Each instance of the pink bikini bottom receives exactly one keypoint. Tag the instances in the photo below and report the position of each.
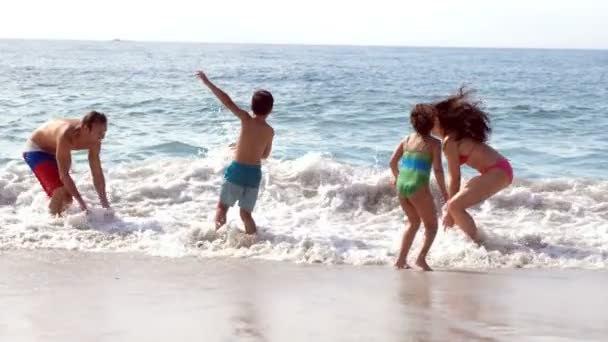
(504, 165)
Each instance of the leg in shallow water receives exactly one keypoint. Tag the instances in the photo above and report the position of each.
(425, 206)
(410, 233)
(248, 221)
(220, 215)
(60, 201)
(477, 190)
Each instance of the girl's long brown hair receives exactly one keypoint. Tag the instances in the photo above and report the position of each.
(463, 117)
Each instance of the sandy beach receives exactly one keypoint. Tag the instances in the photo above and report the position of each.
(74, 296)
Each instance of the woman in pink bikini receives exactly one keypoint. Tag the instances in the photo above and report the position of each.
(464, 128)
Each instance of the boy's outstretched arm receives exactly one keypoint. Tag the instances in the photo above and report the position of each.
(223, 97)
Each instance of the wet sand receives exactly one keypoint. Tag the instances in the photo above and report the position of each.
(74, 296)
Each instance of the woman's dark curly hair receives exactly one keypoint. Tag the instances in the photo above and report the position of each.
(422, 118)
(462, 117)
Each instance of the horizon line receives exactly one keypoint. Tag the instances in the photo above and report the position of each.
(119, 40)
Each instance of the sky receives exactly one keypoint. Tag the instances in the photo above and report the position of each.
(463, 23)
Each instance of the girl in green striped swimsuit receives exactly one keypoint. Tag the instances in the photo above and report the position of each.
(419, 153)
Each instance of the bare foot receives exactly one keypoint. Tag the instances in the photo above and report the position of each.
(247, 240)
(220, 216)
(423, 265)
(481, 238)
(401, 264)
(220, 220)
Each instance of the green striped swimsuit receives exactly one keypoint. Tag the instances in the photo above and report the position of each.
(414, 173)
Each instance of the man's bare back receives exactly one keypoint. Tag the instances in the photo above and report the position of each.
(48, 135)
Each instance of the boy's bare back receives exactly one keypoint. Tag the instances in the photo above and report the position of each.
(255, 141)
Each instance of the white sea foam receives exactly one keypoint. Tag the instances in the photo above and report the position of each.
(312, 210)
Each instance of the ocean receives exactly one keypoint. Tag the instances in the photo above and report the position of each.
(326, 194)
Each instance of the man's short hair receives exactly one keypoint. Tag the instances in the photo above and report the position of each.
(94, 117)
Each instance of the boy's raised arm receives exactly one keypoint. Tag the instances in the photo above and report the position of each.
(223, 97)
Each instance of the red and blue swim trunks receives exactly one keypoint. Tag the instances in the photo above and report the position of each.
(44, 166)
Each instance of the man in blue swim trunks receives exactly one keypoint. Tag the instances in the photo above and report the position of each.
(242, 178)
(48, 152)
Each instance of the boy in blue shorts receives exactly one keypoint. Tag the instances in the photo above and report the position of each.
(242, 178)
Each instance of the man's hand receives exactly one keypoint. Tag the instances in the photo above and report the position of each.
(98, 178)
(200, 74)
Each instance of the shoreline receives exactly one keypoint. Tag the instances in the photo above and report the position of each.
(55, 295)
